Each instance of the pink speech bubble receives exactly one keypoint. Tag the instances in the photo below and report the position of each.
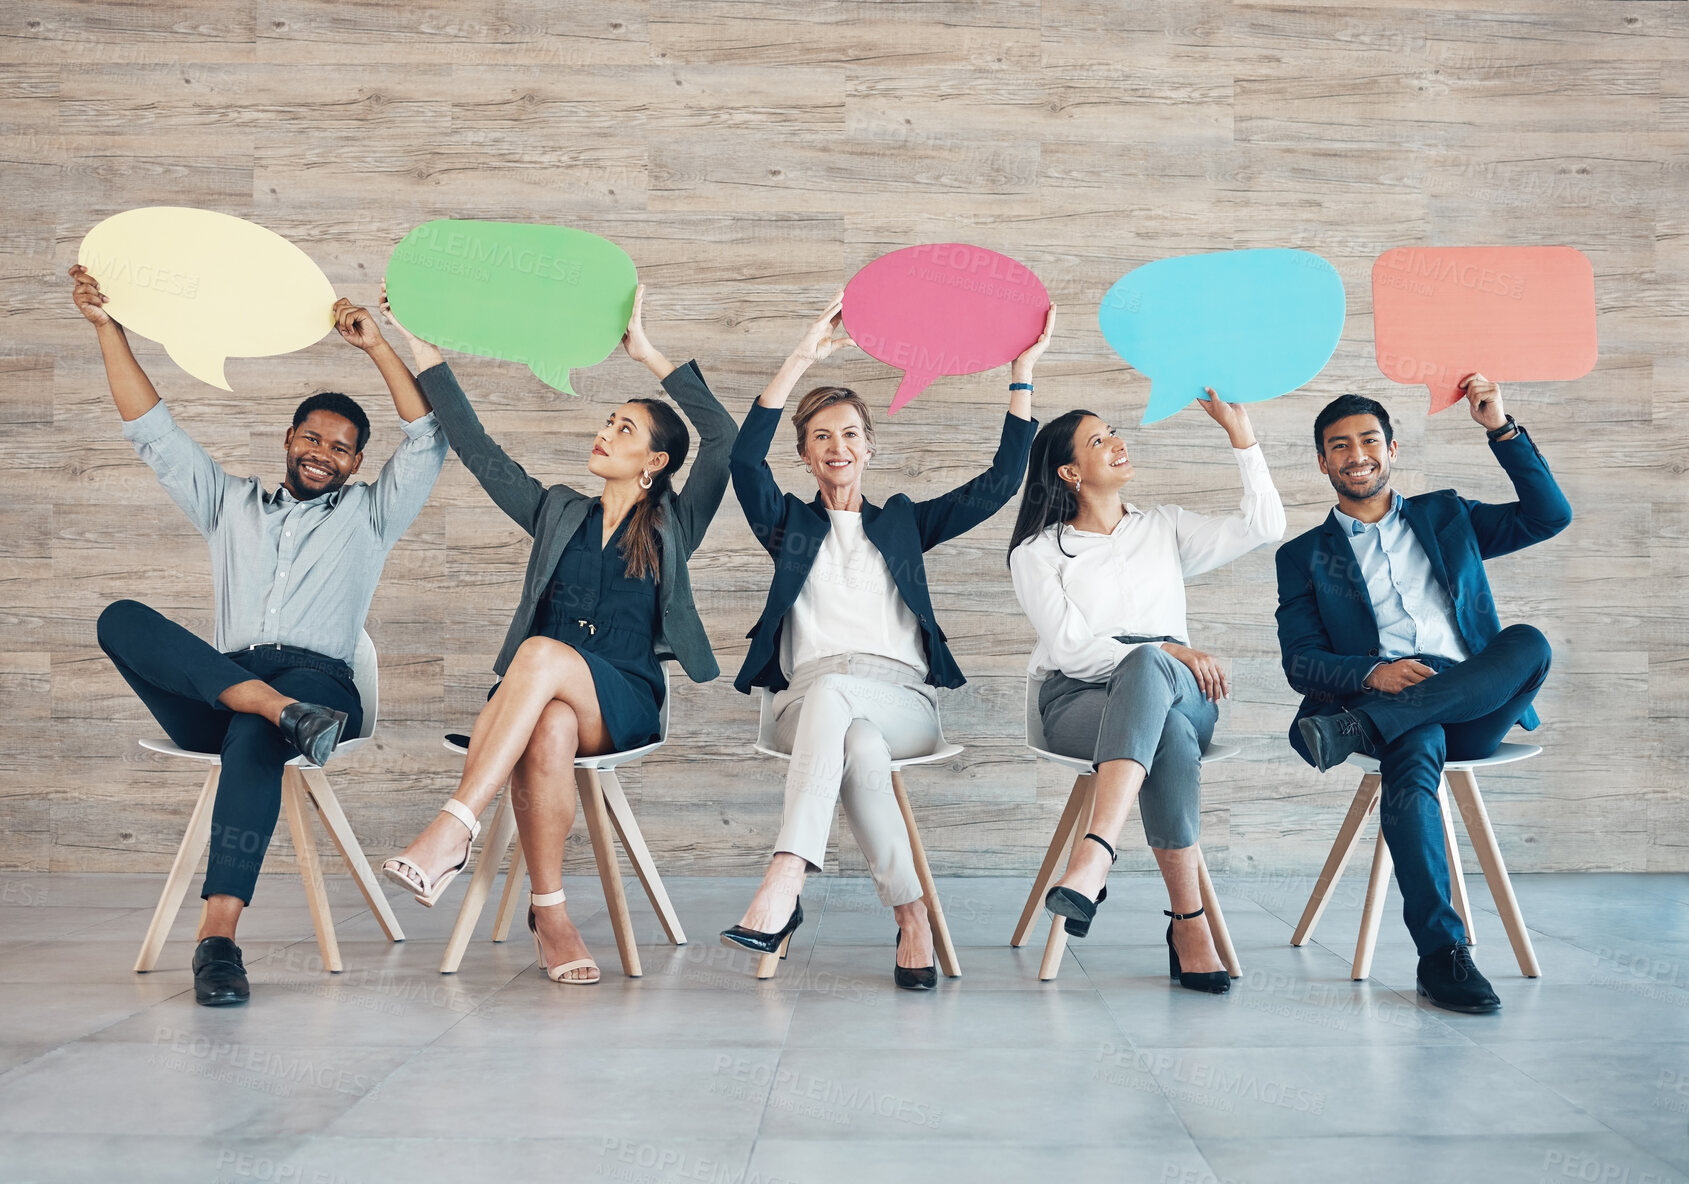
(943, 308)
(1517, 314)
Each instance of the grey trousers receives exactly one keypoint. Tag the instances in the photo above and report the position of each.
(844, 719)
(1151, 711)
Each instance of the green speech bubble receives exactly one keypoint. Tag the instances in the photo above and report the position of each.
(552, 297)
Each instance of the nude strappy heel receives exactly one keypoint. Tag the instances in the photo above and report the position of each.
(556, 973)
(432, 889)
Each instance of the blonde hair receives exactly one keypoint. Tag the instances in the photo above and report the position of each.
(823, 397)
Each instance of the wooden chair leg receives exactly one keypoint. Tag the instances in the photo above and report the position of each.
(507, 901)
(1216, 919)
(1052, 859)
(1348, 838)
(493, 848)
(294, 794)
(1372, 914)
(1465, 788)
(943, 946)
(194, 841)
(321, 795)
(1457, 875)
(633, 842)
(609, 873)
(1056, 945)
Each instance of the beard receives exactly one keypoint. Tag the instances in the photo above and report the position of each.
(1360, 493)
(296, 480)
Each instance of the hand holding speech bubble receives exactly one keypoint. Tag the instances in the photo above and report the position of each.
(552, 297)
(1518, 314)
(1251, 324)
(207, 286)
(943, 308)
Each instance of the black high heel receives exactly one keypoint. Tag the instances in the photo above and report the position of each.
(1215, 982)
(913, 978)
(756, 940)
(1076, 907)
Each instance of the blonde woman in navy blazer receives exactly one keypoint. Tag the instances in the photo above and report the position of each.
(848, 638)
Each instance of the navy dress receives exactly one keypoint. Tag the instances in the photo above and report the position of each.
(610, 619)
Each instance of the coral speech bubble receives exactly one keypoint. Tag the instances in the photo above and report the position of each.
(553, 297)
(943, 308)
(1251, 324)
(207, 286)
(1518, 314)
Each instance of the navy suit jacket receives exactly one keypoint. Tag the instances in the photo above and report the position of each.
(1327, 634)
(791, 531)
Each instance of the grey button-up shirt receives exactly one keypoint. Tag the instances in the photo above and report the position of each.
(283, 570)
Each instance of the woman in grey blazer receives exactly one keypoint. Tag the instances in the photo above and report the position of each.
(605, 600)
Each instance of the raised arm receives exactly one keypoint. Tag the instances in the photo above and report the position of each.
(706, 484)
(505, 481)
(194, 481)
(357, 326)
(1206, 541)
(1542, 510)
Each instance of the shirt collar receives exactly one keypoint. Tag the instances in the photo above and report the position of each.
(281, 498)
(1354, 526)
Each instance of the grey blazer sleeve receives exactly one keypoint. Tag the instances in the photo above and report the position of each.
(695, 505)
(505, 481)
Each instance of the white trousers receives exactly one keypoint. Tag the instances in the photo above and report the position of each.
(844, 719)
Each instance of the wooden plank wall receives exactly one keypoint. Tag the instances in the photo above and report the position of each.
(751, 156)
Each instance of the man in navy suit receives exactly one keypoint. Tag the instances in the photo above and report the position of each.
(1387, 626)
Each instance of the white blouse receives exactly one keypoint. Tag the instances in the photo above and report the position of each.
(850, 604)
(1132, 580)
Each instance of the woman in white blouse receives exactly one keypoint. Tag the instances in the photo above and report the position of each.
(1104, 585)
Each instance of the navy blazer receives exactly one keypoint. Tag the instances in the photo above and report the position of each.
(791, 532)
(1327, 633)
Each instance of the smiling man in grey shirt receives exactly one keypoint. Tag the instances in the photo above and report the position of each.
(294, 569)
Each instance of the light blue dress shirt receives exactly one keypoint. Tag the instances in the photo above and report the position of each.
(1413, 611)
(283, 570)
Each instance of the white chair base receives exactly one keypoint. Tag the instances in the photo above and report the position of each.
(943, 946)
(1070, 832)
(301, 784)
(605, 806)
(1458, 780)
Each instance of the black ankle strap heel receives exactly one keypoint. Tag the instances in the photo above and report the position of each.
(1214, 982)
(1183, 916)
(1079, 911)
(1113, 857)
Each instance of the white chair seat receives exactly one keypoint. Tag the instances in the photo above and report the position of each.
(1214, 752)
(1505, 755)
(942, 753)
(605, 760)
(344, 748)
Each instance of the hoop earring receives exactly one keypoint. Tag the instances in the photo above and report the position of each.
(645, 480)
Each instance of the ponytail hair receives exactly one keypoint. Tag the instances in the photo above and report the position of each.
(642, 545)
(1047, 498)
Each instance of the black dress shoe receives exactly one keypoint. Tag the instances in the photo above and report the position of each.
(1333, 739)
(1215, 982)
(1449, 979)
(913, 978)
(313, 729)
(1079, 910)
(219, 974)
(765, 943)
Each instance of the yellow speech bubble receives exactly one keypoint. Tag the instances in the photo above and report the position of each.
(207, 286)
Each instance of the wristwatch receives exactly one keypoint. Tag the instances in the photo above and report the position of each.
(1497, 433)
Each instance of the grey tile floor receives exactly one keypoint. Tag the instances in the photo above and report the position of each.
(696, 1072)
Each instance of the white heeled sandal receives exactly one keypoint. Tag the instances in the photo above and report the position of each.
(556, 973)
(427, 891)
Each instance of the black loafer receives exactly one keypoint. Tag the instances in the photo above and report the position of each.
(1449, 979)
(219, 974)
(312, 729)
(1333, 739)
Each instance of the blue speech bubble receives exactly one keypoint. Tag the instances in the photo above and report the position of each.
(1251, 324)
